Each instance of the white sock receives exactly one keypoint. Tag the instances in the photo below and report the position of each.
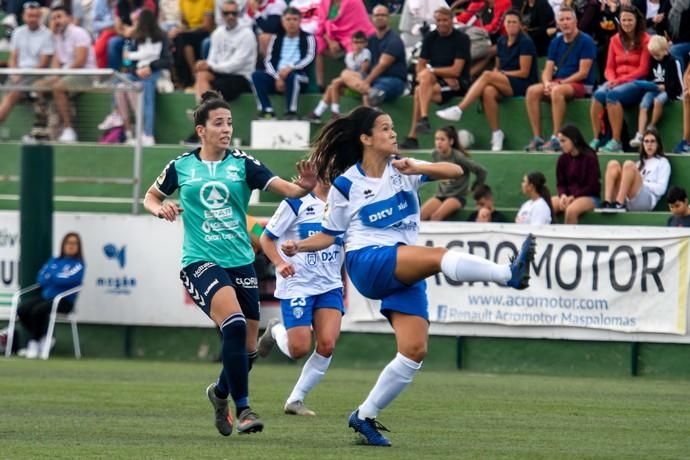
(312, 373)
(393, 380)
(335, 108)
(280, 334)
(460, 266)
(320, 108)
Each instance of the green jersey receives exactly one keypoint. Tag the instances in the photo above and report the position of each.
(214, 196)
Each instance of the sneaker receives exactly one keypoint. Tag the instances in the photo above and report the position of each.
(223, 418)
(263, 115)
(423, 126)
(594, 144)
(113, 120)
(314, 118)
(410, 143)
(616, 207)
(249, 422)
(535, 145)
(612, 146)
(370, 430)
(497, 138)
(68, 136)
(376, 97)
(290, 116)
(682, 147)
(636, 141)
(147, 141)
(33, 350)
(266, 341)
(520, 264)
(451, 113)
(298, 408)
(553, 145)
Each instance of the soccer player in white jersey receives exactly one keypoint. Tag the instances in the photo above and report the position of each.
(374, 203)
(310, 289)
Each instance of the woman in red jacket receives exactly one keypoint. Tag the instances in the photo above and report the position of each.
(627, 64)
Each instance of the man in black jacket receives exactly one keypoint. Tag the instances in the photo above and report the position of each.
(288, 56)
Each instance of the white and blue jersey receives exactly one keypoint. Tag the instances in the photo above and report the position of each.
(315, 272)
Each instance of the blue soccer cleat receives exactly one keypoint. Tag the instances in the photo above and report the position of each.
(519, 265)
(369, 429)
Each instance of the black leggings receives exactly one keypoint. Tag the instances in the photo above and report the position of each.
(34, 315)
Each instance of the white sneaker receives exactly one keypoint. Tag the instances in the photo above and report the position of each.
(10, 21)
(33, 349)
(497, 138)
(636, 141)
(147, 141)
(451, 113)
(113, 120)
(68, 136)
(42, 344)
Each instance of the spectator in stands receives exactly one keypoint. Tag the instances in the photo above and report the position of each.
(678, 18)
(169, 14)
(486, 209)
(638, 186)
(677, 199)
(604, 30)
(197, 24)
(442, 72)
(230, 61)
(515, 71)
(684, 145)
(73, 50)
(578, 178)
(665, 81)
(388, 75)
(537, 210)
(627, 61)
(568, 74)
(266, 17)
(57, 275)
(358, 61)
(103, 23)
(123, 13)
(151, 55)
(416, 18)
(31, 47)
(654, 12)
(338, 20)
(289, 54)
(488, 16)
(451, 195)
(587, 12)
(539, 22)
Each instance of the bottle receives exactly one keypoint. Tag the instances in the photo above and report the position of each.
(126, 48)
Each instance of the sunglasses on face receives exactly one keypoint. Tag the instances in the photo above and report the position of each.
(230, 13)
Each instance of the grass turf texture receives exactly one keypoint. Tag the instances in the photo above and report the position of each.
(130, 409)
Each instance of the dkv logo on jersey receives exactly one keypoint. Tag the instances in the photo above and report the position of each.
(116, 281)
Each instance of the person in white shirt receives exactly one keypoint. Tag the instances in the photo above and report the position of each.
(374, 203)
(537, 210)
(310, 290)
(638, 186)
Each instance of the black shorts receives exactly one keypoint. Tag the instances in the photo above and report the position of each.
(203, 279)
(230, 86)
(461, 199)
(448, 93)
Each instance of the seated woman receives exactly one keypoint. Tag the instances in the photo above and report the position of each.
(578, 178)
(515, 70)
(451, 194)
(537, 210)
(57, 275)
(638, 186)
(627, 64)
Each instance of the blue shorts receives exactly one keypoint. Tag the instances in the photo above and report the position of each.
(372, 271)
(203, 279)
(518, 85)
(392, 86)
(650, 97)
(299, 311)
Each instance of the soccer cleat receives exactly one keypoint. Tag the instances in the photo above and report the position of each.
(266, 341)
(298, 408)
(370, 430)
(222, 414)
(519, 265)
(249, 422)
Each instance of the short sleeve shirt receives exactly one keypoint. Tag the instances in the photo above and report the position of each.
(67, 42)
(509, 56)
(443, 51)
(583, 48)
(30, 45)
(392, 45)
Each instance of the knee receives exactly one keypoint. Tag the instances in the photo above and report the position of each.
(629, 166)
(299, 349)
(325, 347)
(490, 93)
(426, 78)
(535, 91)
(415, 351)
(613, 166)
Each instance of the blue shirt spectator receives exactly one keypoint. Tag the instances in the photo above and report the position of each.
(567, 56)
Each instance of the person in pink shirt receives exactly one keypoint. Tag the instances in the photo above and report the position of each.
(338, 20)
(627, 64)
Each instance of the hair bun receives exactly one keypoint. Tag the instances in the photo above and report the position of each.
(210, 95)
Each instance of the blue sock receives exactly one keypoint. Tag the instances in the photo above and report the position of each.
(234, 379)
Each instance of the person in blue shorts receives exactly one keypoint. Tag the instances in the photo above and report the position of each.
(373, 202)
(214, 183)
(310, 290)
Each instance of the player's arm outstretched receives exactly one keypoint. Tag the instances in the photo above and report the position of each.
(303, 184)
(440, 170)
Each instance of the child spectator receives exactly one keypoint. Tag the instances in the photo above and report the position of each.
(451, 194)
(486, 210)
(678, 204)
(665, 73)
(358, 60)
(537, 210)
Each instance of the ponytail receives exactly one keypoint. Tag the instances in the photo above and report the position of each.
(538, 180)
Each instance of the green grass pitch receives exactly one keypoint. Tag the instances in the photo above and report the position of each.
(137, 409)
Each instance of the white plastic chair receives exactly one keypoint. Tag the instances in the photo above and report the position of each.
(70, 317)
